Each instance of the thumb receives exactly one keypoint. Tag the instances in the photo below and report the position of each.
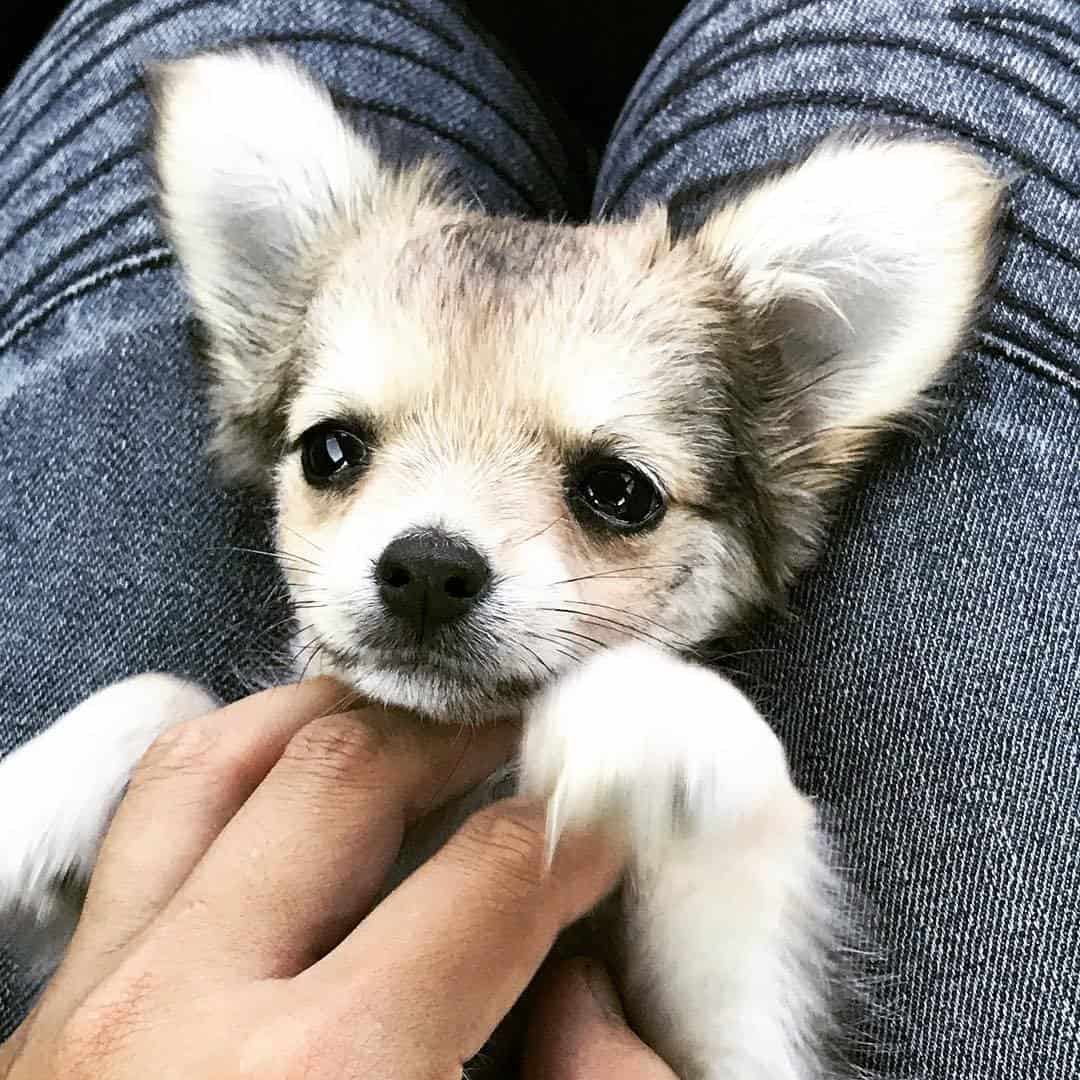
(577, 1030)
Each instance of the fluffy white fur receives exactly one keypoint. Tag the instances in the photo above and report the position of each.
(727, 907)
(258, 172)
(83, 762)
(864, 263)
(866, 252)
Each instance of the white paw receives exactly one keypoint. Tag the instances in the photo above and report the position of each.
(652, 744)
(58, 793)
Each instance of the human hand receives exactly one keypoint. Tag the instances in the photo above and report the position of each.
(577, 1030)
(231, 930)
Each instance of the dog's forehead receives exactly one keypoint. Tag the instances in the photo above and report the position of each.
(581, 328)
(498, 254)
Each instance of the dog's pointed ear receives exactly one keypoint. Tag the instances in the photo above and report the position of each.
(865, 265)
(257, 172)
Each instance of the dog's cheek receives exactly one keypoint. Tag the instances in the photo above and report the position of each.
(307, 530)
(704, 579)
(619, 589)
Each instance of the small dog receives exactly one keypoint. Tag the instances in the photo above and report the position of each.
(531, 467)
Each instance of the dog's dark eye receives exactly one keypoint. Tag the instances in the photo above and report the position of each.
(618, 493)
(330, 453)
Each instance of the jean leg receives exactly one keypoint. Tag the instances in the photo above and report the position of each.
(928, 686)
(118, 551)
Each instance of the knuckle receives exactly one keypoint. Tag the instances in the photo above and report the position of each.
(187, 747)
(336, 747)
(508, 847)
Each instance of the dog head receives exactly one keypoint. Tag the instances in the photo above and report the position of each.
(500, 445)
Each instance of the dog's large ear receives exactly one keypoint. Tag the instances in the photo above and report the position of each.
(864, 266)
(257, 173)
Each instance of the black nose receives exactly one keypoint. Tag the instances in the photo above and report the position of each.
(429, 578)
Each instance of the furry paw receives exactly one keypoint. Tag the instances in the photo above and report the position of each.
(57, 796)
(724, 926)
(654, 745)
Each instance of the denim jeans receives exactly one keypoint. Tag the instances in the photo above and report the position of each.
(928, 683)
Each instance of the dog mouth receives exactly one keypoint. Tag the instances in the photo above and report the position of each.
(462, 686)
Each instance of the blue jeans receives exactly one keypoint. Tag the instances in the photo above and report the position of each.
(928, 685)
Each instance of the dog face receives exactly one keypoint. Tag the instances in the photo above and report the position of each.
(506, 448)
(498, 446)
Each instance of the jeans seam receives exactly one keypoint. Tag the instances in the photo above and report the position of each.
(658, 63)
(132, 32)
(140, 260)
(1050, 247)
(402, 115)
(61, 39)
(68, 252)
(875, 106)
(95, 60)
(1022, 340)
(1039, 44)
(998, 342)
(451, 77)
(1004, 295)
(72, 133)
(1031, 18)
(62, 197)
(764, 49)
(407, 116)
(410, 14)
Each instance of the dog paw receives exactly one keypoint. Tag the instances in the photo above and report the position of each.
(652, 745)
(57, 796)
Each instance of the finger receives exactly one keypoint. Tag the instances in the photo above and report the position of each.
(184, 791)
(305, 857)
(577, 1030)
(447, 953)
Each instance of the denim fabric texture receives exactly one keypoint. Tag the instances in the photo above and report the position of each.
(928, 683)
(118, 549)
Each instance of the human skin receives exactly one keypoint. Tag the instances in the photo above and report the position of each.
(232, 928)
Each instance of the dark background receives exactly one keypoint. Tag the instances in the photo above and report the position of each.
(585, 53)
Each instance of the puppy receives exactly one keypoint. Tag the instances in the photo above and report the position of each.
(530, 468)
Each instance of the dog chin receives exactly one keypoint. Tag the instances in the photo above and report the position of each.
(437, 696)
